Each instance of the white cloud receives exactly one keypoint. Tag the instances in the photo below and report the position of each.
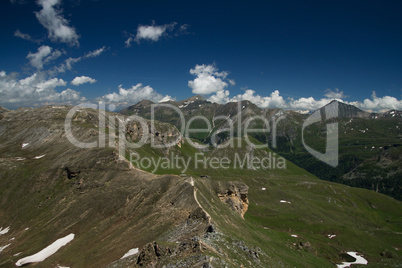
(308, 104)
(275, 100)
(95, 53)
(68, 63)
(154, 32)
(58, 29)
(43, 56)
(336, 94)
(221, 97)
(34, 89)
(79, 80)
(25, 36)
(208, 80)
(133, 95)
(67, 96)
(378, 104)
(272, 101)
(166, 99)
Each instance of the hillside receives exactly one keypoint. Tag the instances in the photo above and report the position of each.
(279, 216)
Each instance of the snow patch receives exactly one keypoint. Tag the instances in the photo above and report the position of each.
(4, 231)
(46, 252)
(20, 158)
(284, 201)
(24, 145)
(330, 236)
(2, 248)
(38, 157)
(359, 260)
(263, 189)
(129, 253)
(293, 235)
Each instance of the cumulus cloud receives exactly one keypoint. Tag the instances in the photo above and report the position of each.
(44, 55)
(208, 80)
(79, 80)
(33, 89)
(334, 94)
(67, 96)
(379, 103)
(154, 32)
(308, 104)
(125, 97)
(221, 97)
(166, 99)
(274, 100)
(57, 26)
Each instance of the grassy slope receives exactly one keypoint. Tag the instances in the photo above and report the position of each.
(362, 220)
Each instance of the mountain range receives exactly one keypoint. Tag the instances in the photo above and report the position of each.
(114, 203)
(362, 136)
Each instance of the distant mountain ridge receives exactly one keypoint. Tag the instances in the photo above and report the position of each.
(361, 134)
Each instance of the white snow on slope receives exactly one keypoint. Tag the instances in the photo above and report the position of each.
(4, 231)
(359, 260)
(37, 157)
(2, 248)
(284, 201)
(129, 253)
(46, 252)
(24, 145)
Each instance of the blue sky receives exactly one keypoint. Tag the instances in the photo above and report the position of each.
(288, 54)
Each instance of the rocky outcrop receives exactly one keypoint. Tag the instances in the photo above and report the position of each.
(160, 133)
(235, 194)
(155, 255)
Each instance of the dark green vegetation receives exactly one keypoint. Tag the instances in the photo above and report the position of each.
(362, 136)
(112, 206)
